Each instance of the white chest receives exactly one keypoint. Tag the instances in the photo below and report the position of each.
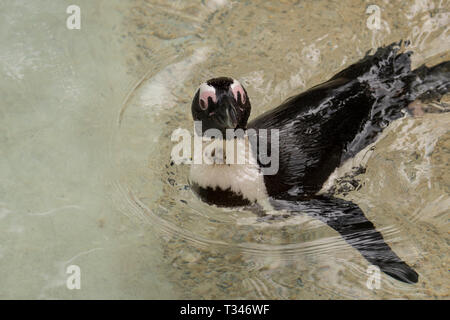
(241, 177)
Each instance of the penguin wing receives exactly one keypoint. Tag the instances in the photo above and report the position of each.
(314, 129)
(350, 222)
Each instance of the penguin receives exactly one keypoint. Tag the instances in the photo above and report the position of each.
(317, 131)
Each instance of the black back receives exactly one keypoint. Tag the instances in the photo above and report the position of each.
(329, 123)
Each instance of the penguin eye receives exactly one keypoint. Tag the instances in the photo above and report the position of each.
(237, 88)
(206, 92)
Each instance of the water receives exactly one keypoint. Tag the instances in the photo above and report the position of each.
(85, 127)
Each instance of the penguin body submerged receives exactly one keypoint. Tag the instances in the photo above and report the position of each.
(316, 132)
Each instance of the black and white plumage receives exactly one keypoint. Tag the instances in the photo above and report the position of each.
(318, 130)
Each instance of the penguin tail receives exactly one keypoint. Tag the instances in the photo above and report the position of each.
(430, 83)
(385, 63)
(388, 72)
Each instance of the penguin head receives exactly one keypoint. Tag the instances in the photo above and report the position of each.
(221, 103)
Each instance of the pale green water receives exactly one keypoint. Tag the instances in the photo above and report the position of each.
(85, 123)
(61, 92)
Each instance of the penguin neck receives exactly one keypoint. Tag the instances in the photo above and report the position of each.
(229, 165)
(217, 151)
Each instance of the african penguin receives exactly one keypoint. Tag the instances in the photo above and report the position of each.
(316, 131)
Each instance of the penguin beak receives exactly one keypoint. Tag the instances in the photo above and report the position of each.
(227, 116)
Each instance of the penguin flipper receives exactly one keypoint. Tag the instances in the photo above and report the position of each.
(350, 222)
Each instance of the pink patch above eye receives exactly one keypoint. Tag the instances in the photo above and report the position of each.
(235, 88)
(205, 93)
